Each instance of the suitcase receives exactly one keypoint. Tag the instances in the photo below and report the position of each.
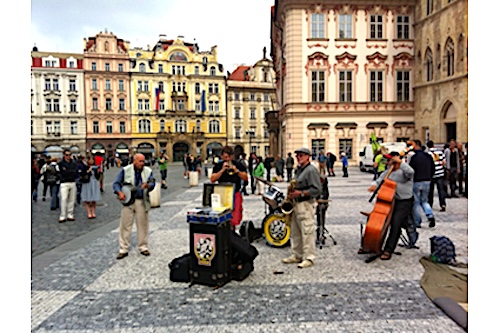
(246, 251)
(179, 268)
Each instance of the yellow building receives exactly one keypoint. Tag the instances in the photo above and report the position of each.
(178, 99)
(251, 94)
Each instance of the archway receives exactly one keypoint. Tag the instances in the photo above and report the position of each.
(98, 148)
(179, 149)
(146, 149)
(214, 148)
(238, 151)
(450, 121)
(54, 151)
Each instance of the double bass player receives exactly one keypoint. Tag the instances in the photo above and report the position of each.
(402, 174)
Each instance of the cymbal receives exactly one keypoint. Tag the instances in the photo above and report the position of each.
(264, 181)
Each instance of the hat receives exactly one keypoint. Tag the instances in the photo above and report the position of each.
(303, 150)
(391, 155)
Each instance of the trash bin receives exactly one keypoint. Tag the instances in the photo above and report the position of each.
(193, 178)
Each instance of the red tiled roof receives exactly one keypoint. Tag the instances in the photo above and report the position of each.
(237, 74)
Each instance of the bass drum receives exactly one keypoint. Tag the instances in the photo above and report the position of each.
(276, 232)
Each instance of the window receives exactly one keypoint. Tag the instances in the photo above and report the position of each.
(266, 97)
(55, 84)
(56, 105)
(142, 68)
(197, 105)
(450, 58)
(108, 84)
(237, 132)
(121, 85)
(160, 86)
(211, 106)
(48, 127)
(345, 86)
(180, 126)
(95, 104)
(160, 68)
(236, 96)
(428, 64)
(57, 127)
(252, 97)
(122, 127)
(237, 113)
(318, 86)
(430, 5)
(72, 105)
(252, 113)
(48, 105)
(108, 104)
(140, 104)
(212, 70)
(345, 26)
(144, 126)
(162, 125)
(376, 85)
(71, 64)
(109, 127)
(95, 127)
(106, 67)
(376, 26)
(47, 84)
(94, 66)
(146, 104)
(213, 88)
(213, 126)
(146, 85)
(139, 85)
(196, 70)
(345, 145)
(198, 125)
(120, 67)
(161, 105)
(403, 86)
(403, 27)
(317, 145)
(94, 84)
(72, 85)
(318, 25)
(266, 133)
(197, 88)
(121, 104)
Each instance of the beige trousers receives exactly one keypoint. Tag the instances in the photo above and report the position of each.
(128, 213)
(302, 226)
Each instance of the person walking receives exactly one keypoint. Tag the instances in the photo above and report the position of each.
(345, 164)
(302, 221)
(333, 159)
(452, 167)
(53, 179)
(99, 161)
(423, 166)
(162, 165)
(35, 177)
(80, 166)
(289, 167)
(91, 192)
(258, 171)
(252, 164)
(279, 165)
(322, 163)
(439, 178)
(140, 177)
(268, 165)
(43, 179)
(68, 170)
(244, 183)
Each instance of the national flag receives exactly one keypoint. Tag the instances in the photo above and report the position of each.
(203, 102)
(157, 94)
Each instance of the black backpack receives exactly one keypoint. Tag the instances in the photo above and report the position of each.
(51, 174)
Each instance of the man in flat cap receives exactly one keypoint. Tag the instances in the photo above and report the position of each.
(302, 226)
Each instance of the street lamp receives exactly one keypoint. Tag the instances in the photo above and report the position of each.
(250, 133)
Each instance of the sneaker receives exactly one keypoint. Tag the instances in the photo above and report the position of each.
(62, 220)
(291, 260)
(121, 255)
(305, 263)
(432, 222)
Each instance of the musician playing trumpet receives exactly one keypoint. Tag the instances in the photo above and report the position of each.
(231, 171)
(303, 196)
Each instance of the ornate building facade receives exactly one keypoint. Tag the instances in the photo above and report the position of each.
(107, 95)
(178, 100)
(441, 71)
(57, 103)
(251, 94)
(344, 70)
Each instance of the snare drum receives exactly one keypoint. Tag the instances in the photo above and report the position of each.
(273, 197)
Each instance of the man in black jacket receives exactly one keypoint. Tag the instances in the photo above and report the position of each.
(423, 164)
(268, 164)
(68, 169)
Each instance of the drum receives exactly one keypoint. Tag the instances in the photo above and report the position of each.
(276, 232)
(273, 197)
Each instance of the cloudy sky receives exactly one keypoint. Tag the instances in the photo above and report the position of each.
(239, 28)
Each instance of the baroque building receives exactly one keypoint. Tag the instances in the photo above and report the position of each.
(344, 70)
(251, 94)
(441, 71)
(107, 95)
(178, 100)
(57, 103)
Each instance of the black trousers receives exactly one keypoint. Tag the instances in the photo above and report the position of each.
(440, 183)
(289, 174)
(402, 208)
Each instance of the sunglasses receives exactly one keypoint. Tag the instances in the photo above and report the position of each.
(67, 154)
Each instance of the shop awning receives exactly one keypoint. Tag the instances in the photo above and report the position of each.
(122, 151)
(95, 151)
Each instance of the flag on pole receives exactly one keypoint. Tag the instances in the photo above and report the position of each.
(203, 103)
(157, 94)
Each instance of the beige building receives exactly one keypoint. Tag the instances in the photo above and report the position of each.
(57, 103)
(107, 95)
(251, 94)
(344, 70)
(441, 73)
(178, 100)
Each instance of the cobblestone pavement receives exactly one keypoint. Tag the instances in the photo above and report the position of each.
(88, 290)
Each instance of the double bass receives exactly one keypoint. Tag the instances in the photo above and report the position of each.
(380, 217)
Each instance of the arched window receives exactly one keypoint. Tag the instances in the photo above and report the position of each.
(429, 64)
(212, 71)
(142, 68)
(197, 88)
(144, 126)
(213, 126)
(160, 86)
(450, 57)
(162, 125)
(178, 56)
(180, 126)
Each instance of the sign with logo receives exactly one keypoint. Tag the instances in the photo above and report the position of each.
(204, 248)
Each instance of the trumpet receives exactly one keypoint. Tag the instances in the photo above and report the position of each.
(230, 170)
(287, 205)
